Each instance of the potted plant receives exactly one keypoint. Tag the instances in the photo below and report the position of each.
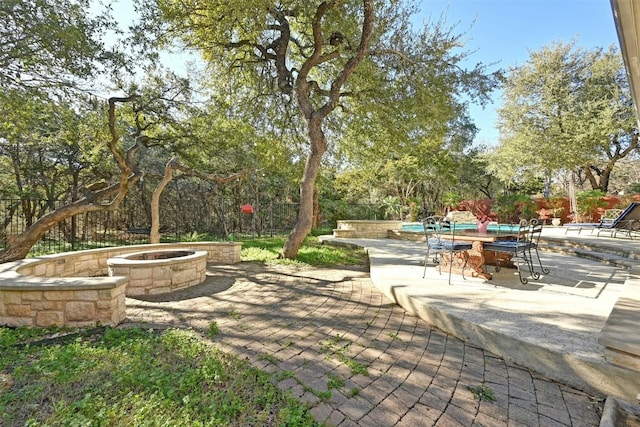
(556, 207)
(482, 223)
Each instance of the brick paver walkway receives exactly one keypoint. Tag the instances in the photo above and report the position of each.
(339, 345)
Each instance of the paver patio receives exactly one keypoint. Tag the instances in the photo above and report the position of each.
(318, 329)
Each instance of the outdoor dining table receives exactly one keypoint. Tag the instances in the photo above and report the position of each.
(476, 257)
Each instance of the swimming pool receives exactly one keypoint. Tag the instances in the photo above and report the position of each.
(417, 227)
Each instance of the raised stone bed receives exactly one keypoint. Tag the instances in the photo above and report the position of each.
(364, 229)
(74, 288)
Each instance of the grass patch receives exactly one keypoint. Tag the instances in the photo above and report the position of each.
(335, 382)
(338, 347)
(270, 358)
(267, 250)
(234, 315)
(482, 392)
(136, 377)
(325, 396)
(213, 329)
(11, 337)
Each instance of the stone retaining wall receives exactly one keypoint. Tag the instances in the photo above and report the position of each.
(362, 229)
(74, 289)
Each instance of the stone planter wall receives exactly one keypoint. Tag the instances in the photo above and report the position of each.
(74, 289)
(362, 229)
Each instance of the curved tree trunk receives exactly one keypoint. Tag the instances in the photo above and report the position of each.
(600, 176)
(315, 116)
(307, 188)
(18, 246)
(154, 234)
(174, 164)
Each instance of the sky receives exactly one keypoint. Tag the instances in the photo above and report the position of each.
(506, 31)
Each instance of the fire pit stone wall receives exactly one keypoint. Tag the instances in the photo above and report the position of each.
(74, 289)
(160, 271)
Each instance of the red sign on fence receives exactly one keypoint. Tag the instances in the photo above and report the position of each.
(246, 209)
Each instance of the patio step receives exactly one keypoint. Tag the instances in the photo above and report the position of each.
(611, 255)
(618, 336)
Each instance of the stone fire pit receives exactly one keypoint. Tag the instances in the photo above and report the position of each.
(159, 271)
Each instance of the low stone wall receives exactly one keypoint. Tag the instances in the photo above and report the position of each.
(363, 229)
(74, 289)
(70, 301)
(406, 235)
(159, 276)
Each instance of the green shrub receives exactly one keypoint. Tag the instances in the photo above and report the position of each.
(510, 209)
(588, 204)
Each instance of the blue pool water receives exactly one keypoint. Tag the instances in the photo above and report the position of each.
(417, 227)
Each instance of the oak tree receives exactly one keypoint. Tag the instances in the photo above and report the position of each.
(318, 67)
(566, 109)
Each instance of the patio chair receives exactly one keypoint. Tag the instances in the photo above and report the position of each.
(437, 245)
(613, 221)
(627, 222)
(535, 231)
(431, 227)
(522, 249)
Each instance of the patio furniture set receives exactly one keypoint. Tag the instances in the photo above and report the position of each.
(465, 250)
(462, 250)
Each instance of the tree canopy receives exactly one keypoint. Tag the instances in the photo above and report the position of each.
(51, 43)
(568, 109)
(325, 70)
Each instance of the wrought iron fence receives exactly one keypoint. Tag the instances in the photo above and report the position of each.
(192, 218)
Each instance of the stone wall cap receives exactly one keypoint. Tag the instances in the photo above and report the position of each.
(126, 259)
(12, 281)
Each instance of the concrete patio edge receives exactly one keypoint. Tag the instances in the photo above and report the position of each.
(592, 374)
(603, 378)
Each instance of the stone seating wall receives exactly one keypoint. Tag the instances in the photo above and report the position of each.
(74, 289)
(159, 276)
(364, 229)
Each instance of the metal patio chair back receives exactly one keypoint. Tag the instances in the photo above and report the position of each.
(438, 245)
(521, 249)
